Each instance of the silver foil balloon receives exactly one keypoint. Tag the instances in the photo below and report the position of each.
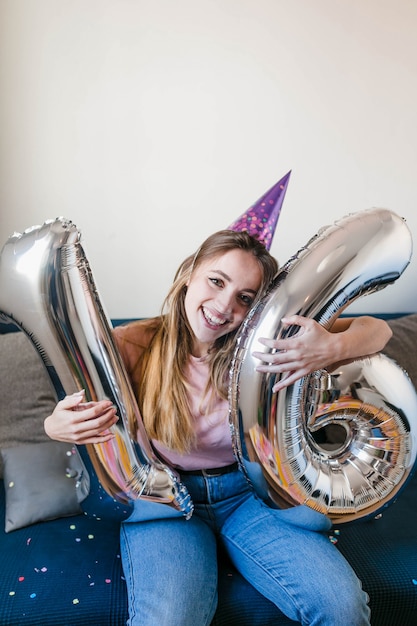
(343, 442)
(48, 290)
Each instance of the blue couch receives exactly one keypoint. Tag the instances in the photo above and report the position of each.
(67, 570)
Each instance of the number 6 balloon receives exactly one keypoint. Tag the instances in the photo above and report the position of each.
(47, 289)
(343, 443)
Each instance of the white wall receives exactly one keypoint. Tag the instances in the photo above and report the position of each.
(152, 124)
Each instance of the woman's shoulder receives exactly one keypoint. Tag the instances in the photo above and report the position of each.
(132, 340)
(138, 333)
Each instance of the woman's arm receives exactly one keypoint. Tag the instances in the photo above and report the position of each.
(81, 422)
(314, 347)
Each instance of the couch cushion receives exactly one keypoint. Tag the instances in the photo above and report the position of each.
(402, 347)
(62, 572)
(27, 395)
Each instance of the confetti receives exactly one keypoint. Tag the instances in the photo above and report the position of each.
(76, 601)
(12, 593)
(21, 579)
(32, 595)
(414, 581)
(108, 581)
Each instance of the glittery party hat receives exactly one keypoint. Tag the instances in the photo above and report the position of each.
(261, 219)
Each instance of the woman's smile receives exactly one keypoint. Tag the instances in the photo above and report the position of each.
(212, 319)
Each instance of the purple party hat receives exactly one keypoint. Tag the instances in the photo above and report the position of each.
(261, 219)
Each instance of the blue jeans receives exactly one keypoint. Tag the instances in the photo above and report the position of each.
(170, 564)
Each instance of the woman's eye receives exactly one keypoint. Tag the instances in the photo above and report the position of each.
(247, 300)
(216, 281)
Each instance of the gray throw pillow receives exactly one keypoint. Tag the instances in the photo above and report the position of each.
(42, 481)
(27, 395)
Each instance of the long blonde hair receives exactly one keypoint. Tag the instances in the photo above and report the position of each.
(164, 403)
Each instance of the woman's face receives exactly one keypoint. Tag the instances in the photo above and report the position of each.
(219, 294)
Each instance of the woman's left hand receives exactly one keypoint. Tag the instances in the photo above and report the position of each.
(310, 349)
(313, 347)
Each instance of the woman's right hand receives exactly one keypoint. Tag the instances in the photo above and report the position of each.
(79, 422)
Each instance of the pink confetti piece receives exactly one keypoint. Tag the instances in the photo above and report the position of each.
(21, 579)
(108, 581)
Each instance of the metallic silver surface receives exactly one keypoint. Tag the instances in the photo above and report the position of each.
(343, 443)
(48, 290)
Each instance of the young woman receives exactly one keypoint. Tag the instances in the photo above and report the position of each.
(178, 364)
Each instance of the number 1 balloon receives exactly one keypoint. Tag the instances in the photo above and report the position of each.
(47, 289)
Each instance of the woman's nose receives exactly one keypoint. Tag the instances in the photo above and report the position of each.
(224, 302)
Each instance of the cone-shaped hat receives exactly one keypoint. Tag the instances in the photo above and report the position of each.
(261, 219)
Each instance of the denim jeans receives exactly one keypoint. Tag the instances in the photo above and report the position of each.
(170, 564)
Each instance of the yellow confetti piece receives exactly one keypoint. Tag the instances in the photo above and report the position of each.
(76, 601)
(12, 593)
(91, 536)
(11, 484)
(72, 527)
